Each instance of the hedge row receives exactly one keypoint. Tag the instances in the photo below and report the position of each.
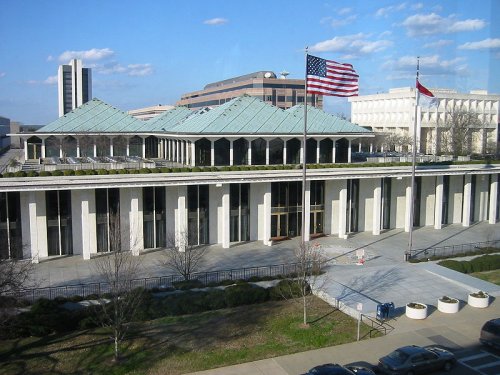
(479, 264)
(84, 172)
(48, 316)
(482, 250)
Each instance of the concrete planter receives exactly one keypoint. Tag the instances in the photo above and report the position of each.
(415, 310)
(448, 305)
(479, 299)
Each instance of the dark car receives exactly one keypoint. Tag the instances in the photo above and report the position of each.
(490, 333)
(335, 369)
(413, 360)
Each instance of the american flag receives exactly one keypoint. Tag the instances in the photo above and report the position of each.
(326, 77)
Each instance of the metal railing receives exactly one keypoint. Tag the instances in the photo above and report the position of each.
(452, 250)
(376, 325)
(160, 282)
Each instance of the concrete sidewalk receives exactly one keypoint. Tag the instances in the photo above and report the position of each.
(457, 332)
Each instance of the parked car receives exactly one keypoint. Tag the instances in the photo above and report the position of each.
(335, 369)
(413, 360)
(490, 333)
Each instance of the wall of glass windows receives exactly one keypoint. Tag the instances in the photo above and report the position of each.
(352, 205)
(286, 209)
(59, 229)
(317, 202)
(154, 217)
(386, 203)
(198, 214)
(107, 203)
(239, 212)
(10, 226)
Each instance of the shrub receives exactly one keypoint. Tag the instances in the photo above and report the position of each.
(123, 171)
(165, 170)
(145, 170)
(453, 265)
(102, 172)
(45, 174)
(176, 170)
(20, 174)
(69, 172)
(196, 169)
(188, 284)
(285, 289)
(80, 173)
(155, 170)
(57, 172)
(91, 172)
(113, 171)
(185, 169)
(245, 294)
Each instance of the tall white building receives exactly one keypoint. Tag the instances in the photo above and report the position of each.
(394, 112)
(74, 86)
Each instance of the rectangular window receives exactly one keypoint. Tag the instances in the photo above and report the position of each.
(10, 226)
(107, 203)
(239, 212)
(198, 215)
(154, 217)
(59, 229)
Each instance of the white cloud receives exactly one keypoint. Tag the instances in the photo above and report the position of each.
(483, 44)
(2, 74)
(52, 80)
(93, 54)
(432, 23)
(384, 12)
(50, 58)
(117, 68)
(343, 21)
(429, 65)
(216, 21)
(438, 44)
(351, 45)
(344, 11)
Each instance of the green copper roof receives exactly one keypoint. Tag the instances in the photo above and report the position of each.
(94, 116)
(242, 115)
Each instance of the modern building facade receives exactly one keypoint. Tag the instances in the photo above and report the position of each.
(74, 85)
(148, 113)
(4, 130)
(394, 113)
(265, 85)
(235, 177)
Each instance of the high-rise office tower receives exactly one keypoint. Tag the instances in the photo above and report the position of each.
(74, 86)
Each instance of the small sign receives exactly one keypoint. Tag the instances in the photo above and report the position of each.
(359, 306)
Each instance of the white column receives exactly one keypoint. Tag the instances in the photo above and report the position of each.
(438, 204)
(343, 211)
(377, 206)
(349, 152)
(492, 219)
(193, 154)
(371, 148)
(181, 218)
(61, 148)
(43, 147)
(131, 219)
(249, 152)
(84, 222)
(267, 151)
(318, 141)
(212, 152)
(143, 147)
(34, 225)
(111, 147)
(408, 204)
(224, 219)
(306, 226)
(231, 152)
(466, 201)
(284, 152)
(78, 147)
(334, 150)
(182, 151)
(25, 149)
(301, 155)
(177, 151)
(266, 218)
(359, 146)
(95, 148)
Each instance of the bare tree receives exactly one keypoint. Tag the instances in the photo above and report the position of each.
(460, 124)
(310, 261)
(15, 275)
(117, 269)
(182, 257)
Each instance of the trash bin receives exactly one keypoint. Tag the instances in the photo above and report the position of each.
(380, 311)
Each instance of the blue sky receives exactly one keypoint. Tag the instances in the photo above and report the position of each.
(150, 51)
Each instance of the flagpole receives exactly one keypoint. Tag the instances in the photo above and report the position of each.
(413, 167)
(304, 141)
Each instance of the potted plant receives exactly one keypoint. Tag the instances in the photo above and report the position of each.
(479, 299)
(416, 310)
(448, 305)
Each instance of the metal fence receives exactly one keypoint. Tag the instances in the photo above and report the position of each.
(453, 250)
(160, 282)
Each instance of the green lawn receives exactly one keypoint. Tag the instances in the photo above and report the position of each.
(491, 276)
(176, 345)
